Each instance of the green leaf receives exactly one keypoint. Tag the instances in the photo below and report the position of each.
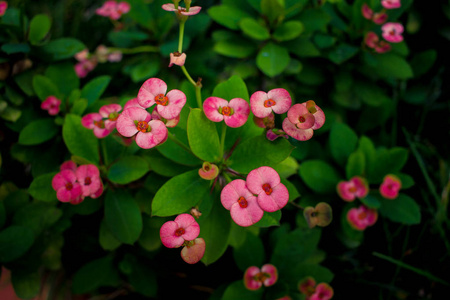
(269, 219)
(397, 159)
(37, 216)
(343, 141)
(234, 87)
(356, 164)
(237, 48)
(342, 53)
(403, 210)
(41, 188)
(390, 65)
(227, 16)
(302, 47)
(26, 285)
(38, 131)
(141, 277)
(127, 169)
(254, 29)
(315, 19)
(95, 274)
(293, 192)
(163, 166)
(79, 140)
(273, 9)
(407, 181)
(287, 167)
(175, 152)
(150, 239)
(372, 200)
(371, 94)
(15, 48)
(64, 77)
(145, 70)
(423, 61)
(179, 194)
(95, 88)
(203, 137)
(319, 176)
(272, 59)
(39, 28)
(25, 81)
(259, 151)
(366, 146)
(60, 49)
(106, 239)
(44, 87)
(14, 242)
(122, 216)
(237, 290)
(142, 14)
(288, 31)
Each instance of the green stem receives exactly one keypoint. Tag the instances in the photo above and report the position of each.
(140, 49)
(228, 179)
(179, 143)
(183, 68)
(198, 95)
(222, 138)
(180, 38)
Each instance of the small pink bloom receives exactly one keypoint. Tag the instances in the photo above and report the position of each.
(208, 171)
(174, 233)
(3, 7)
(177, 58)
(265, 182)
(307, 286)
(194, 250)
(169, 123)
(66, 186)
(110, 112)
(84, 67)
(390, 187)
(254, 278)
(367, 12)
(383, 47)
(323, 292)
(267, 122)
(319, 115)
(181, 10)
(241, 203)
(362, 217)
(123, 7)
(296, 133)
(153, 91)
(299, 115)
(373, 41)
(82, 55)
(52, 105)
(137, 121)
(390, 4)
(392, 32)
(379, 18)
(112, 9)
(234, 113)
(89, 178)
(356, 187)
(68, 165)
(95, 121)
(276, 100)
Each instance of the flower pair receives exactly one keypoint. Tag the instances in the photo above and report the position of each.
(247, 200)
(103, 122)
(51, 104)
(323, 291)
(357, 187)
(255, 278)
(113, 10)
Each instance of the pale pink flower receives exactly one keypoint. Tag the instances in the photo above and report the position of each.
(383, 47)
(241, 203)
(3, 7)
(123, 7)
(303, 119)
(390, 187)
(362, 217)
(84, 67)
(356, 187)
(115, 56)
(300, 116)
(390, 4)
(68, 165)
(113, 10)
(265, 182)
(193, 251)
(234, 113)
(110, 112)
(276, 100)
(181, 10)
(95, 121)
(379, 18)
(297, 133)
(367, 12)
(51, 104)
(254, 277)
(153, 91)
(323, 292)
(392, 32)
(82, 55)
(66, 186)
(177, 58)
(169, 123)
(174, 233)
(208, 171)
(137, 121)
(89, 178)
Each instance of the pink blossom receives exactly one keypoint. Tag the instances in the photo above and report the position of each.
(390, 187)
(303, 119)
(82, 55)
(193, 251)
(379, 18)
(177, 58)
(3, 7)
(241, 203)
(266, 122)
(362, 217)
(68, 165)
(137, 121)
(392, 32)
(169, 123)
(276, 100)
(174, 233)
(319, 115)
(323, 292)
(208, 171)
(113, 10)
(299, 115)
(95, 121)
(110, 112)
(66, 186)
(296, 133)
(307, 286)
(265, 182)
(84, 67)
(89, 178)
(52, 105)
(373, 41)
(390, 4)
(356, 187)
(181, 10)
(254, 278)
(115, 56)
(367, 12)
(234, 113)
(153, 91)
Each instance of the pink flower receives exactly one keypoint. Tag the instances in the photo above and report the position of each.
(379, 18)
(367, 12)
(234, 113)
(89, 178)
(52, 105)
(193, 251)
(3, 7)
(132, 103)
(95, 121)
(241, 203)
(82, 55)
(115, 56)
(392, 32)
(181, 10)
(154, 90)
(276, 100)
(265, 182)
(177, 58)
(169, 123)
(137, 121)
(66, 186)
(84, 67)
(390, 4)
(174, 233)
(266, 122)
(208, 171)
(254, 278)
(307, 286)
(303, 119)
(390, 187)
(110, 112)
(68, 165)
(123, 7)
(362, 217)
(373, 41)
(356, 187)
(296, 133)
(323, 292)
(113, 10)
(300, 116)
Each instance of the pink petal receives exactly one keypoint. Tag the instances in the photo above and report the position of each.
(295, 112)
(367, 12)
(88, 120)
(392, 32)
(390, 4)
(168, 237)
(257, 104)
(193, 254)
(177, 99)
(241, 110)
(232, 191)
(362, 188)
(249, 281)
(68, 165)
(125, 122)
(156, 136)
(319, 117)
(354, 221)
(344, 190)
(132, 103)
(371, 39)
(380, 18)
(246, 216)
(282, 98)
(276, 200)
(323, 291)
(192, 11)
(149, 90)
(106, 110)
(390, 187)
(211, 108)
(298, 134)
(191, 227)
(260, 176)
(272, 271)
(62, 178)
(169, 7)
(101, 132)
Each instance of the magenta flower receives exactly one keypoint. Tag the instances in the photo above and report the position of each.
(177, 58)
(113, 10)
(234, 113)
(110, 112)
(276, 100)
(68, 165)
(153, 91)
(3, 7)
(66, 186)
(390, 4)
(84, 67)
(273, 134)
(323, 292)
(208, 171)
(362, 217)
(373, 41)
(52, 105)
(181, 10)
(89, 178)
(254, 278)
(366, 11)
(265, 182)
(307, 286)
(193, 251)
(95, 121)
(137, 121)
(392, 32)
(379, 18)
(356, 187)
(300, 116)
(169, 123)
(174, 233)
(390, 187)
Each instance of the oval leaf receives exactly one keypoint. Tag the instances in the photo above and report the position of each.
(203, 137)
(39, 27)
(41, 188)
(14, 242)
(272, 59)
(95, 88)
(403, 209)
(288, 31)
(128, 169)
(343, 141)
(319, 176)
(38, 131)
(79, 140)
(254, 29)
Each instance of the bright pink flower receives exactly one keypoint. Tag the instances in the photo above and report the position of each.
(319, 115)
(323, 292)
(193, 251)
(89, 178)
(307, 286)
(379, 18)
(181, 10)
(137, 121)
(110, 112)
(299, 115)
(112, 9)
(367, 12)
(356, 187)
(254, 278)
(95, 121)
(169, 123)
(177, 58)
(68, 165)
(265, 182)
(267, 122)
(153, 91)
(3, 7)
(84, 67)
(296, 133)
(276, 100)
(390, 4)
(392, 32)
(123, 7)
(66, 186)
(241, 203)
(383, 47)
(362, 217)
(174, 233)
(234, 113)
(390, 187)
(208, 171)
(132, 103)
(52, 105)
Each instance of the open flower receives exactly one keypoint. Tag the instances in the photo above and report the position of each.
(113, 10)
(390, 187)
(84, 67)
(234, 113)
(51, 104)
(89, 178)
(241, 203)
(66, 186)
(95, 121)
(362, 217)
(177, 58)
(366, 11)
(153, 91)
(356, 187)
(193, 251)
(265, 182)
(390, 4)
(254, 277)
(303, 119)
(392, 32)
(174, 233)
(323, 292)
(276, 100)
(377, 18)
(321, 215)
(110, 112)
(181, 10)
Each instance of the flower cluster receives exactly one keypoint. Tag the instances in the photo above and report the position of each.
(361, 217)
(103, 122)
(3, 7)
(113, 10)
(254, 277)
(247, 200)
(87, 61)
(72, 184)
(322, 291)
(51, 104)
(184, 230)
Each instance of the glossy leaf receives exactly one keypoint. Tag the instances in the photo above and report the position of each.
(39, 28)
(288, 31)
(237, 48)
(203, 137)
(234, 87)
(356, 164)
(14, 242)
(254, 29)
(63, 76)
(227, 16)
(319, 176)
(60, 49)
(95, 88)
(44, 87)
(272, 59)
(343, 141)
(37, 216)
(106, 239)
(41, 188)
(175, 152)
(403, 210)
(79, 140)
(95, 274)
(127, 169)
